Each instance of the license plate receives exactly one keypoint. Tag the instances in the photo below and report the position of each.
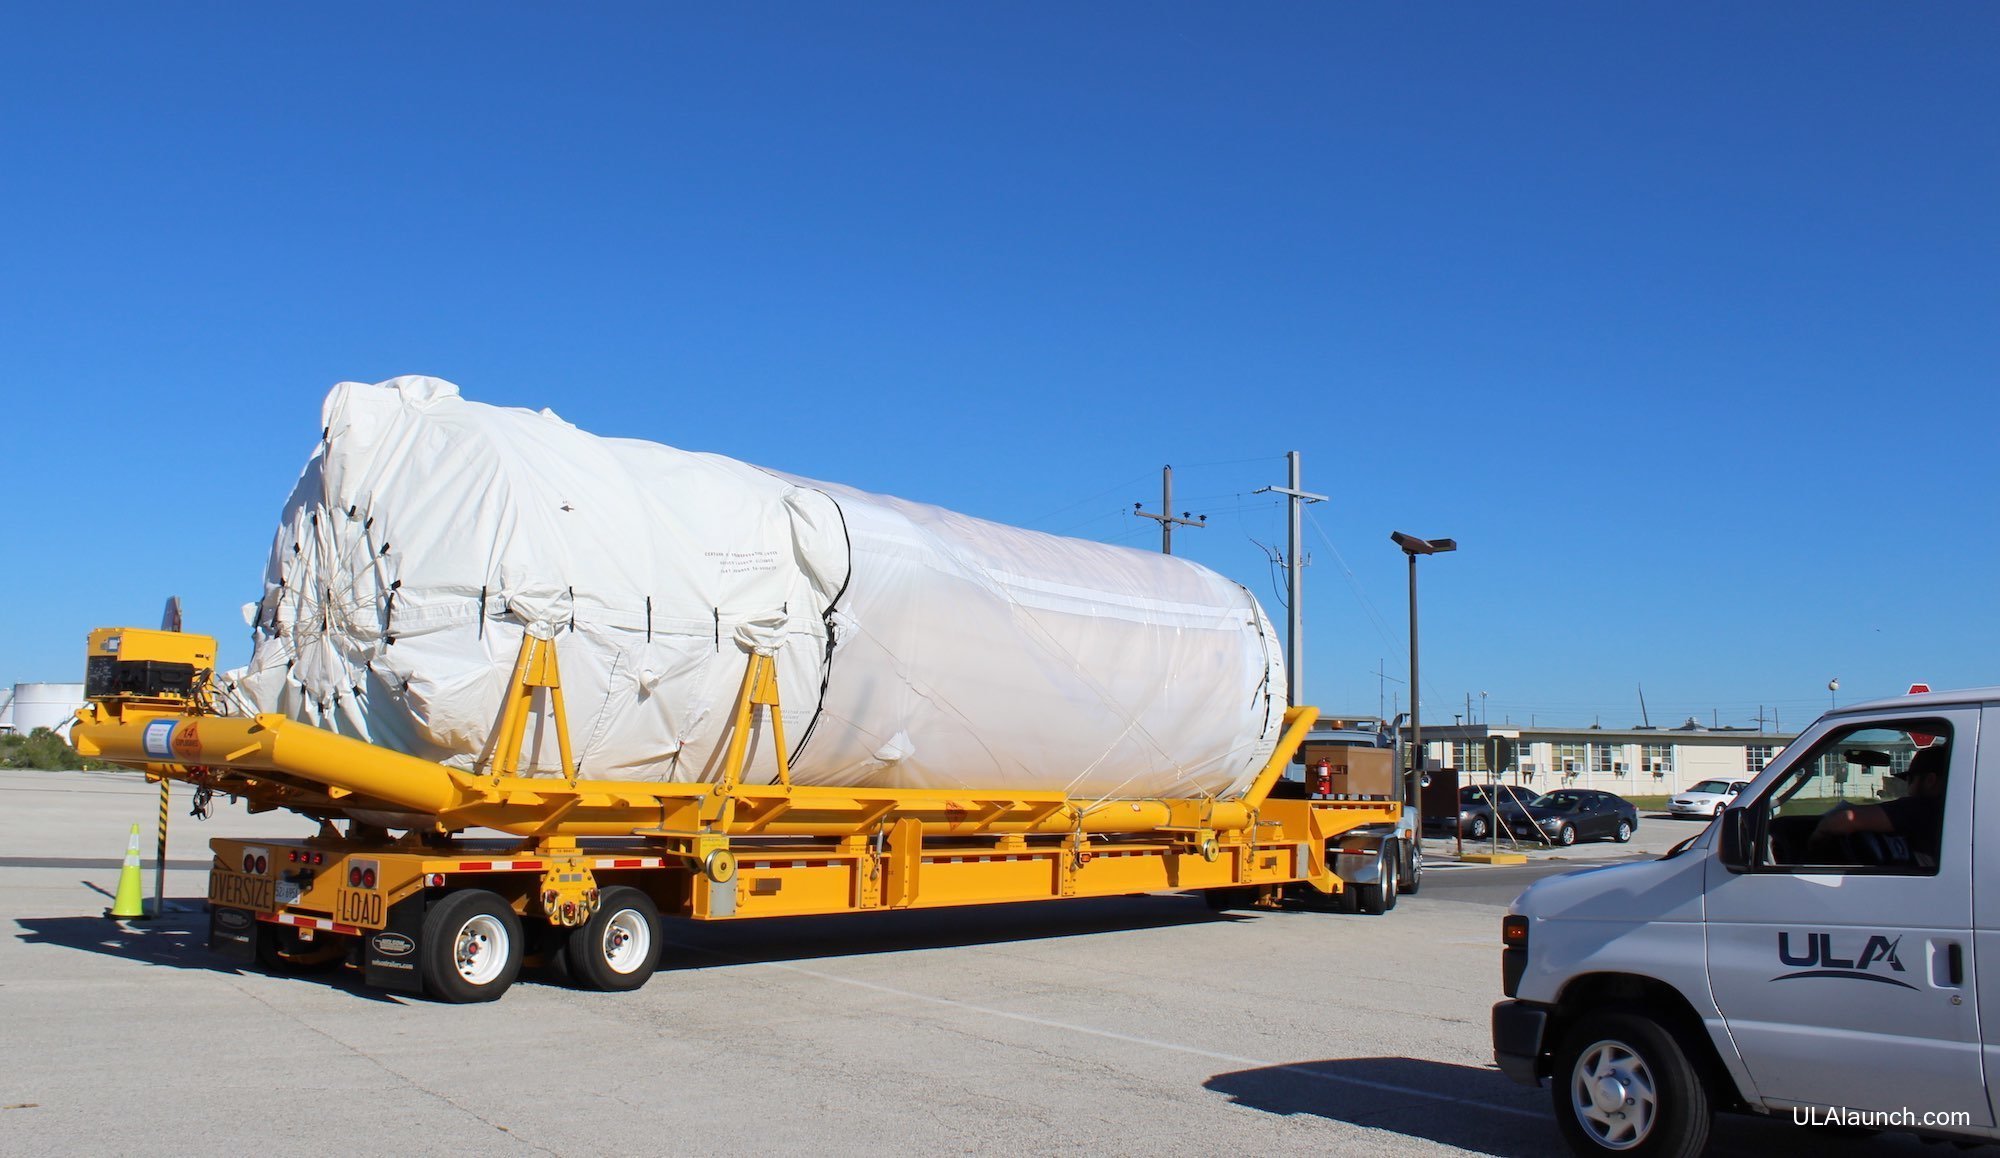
(240, 891)
(288, 892)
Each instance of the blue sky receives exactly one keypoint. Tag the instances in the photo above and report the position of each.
(1681, 318)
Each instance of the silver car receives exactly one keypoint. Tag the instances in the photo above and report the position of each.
(1707, 798)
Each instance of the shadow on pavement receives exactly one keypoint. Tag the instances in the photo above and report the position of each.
(720, 944)
(1469, 1107)
(1477, 1108)
(180, 941)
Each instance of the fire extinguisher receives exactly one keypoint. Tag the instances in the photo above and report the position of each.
(1323, 775)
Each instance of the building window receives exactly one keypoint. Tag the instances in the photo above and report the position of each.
(1659, 760)
(1468, 757)
(1569, 760)
(1755, 756)
(1601, 758)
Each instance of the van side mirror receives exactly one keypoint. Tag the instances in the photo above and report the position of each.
(1733, 842)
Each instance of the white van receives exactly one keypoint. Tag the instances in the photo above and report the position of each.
(1814, 954)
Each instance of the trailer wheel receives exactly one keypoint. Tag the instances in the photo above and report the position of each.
(1623, 1084)
(618, 948)
(280, 950)
(472, 947)
(1380, 897)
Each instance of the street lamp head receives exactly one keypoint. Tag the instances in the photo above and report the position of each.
(1415, 546)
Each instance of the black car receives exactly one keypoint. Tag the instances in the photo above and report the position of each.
(1562, 817)
(1593, 815)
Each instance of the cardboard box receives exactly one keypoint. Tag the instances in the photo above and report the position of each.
(1367, 772)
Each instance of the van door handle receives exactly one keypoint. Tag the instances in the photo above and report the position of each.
(1947, 964)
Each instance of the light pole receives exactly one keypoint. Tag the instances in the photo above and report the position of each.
(1413, 779)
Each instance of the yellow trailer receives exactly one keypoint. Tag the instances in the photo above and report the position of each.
(583, 869)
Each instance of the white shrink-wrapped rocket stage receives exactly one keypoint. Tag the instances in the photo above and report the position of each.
(428, 533)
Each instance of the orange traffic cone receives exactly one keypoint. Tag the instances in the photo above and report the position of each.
(130, 902)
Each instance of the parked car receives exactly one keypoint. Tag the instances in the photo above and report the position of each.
(1562, 817)
(1592, 814)
(1707, 798)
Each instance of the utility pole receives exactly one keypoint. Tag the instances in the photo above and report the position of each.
(1382, 679)
(1166, 515)
(1295, 655)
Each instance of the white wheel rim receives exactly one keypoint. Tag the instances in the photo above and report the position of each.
(628, 937)
(1613, 1095)
(480, 950)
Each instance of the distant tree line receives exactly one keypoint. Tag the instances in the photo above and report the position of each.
(43, 749)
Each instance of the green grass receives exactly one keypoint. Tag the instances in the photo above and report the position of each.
(1643, 803)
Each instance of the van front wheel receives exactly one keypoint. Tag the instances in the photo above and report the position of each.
(1623, 1085)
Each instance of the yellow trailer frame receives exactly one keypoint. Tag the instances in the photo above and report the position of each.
(726, 849)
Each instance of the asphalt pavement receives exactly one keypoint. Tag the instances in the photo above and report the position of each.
(1134, 1025)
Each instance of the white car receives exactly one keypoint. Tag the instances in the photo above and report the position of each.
(1707, 798)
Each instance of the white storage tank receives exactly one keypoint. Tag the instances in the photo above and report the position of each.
(50, 706)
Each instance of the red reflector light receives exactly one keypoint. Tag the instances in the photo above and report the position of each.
(319, 858)
(368, 879)
(1514, 931)
(249, 863)
(433, 880)
(354, 878)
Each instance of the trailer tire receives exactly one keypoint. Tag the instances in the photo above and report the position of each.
(472, 947)
(1617, 1054)
(618, 948)
(1380, 897)
(1412, 877)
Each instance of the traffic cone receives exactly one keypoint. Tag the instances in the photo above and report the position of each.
(130, 902)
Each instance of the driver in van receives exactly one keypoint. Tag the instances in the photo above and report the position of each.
(1917, 816)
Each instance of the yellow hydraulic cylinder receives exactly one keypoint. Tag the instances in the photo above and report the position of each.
(274, 743)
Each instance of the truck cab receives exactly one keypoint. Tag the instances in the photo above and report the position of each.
(1361, 758)
(1815, 953)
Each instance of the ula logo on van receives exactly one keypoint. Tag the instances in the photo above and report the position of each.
(1815, 958)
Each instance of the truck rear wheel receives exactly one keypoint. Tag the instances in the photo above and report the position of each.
(472, 947)
(1380, 897)
(618, 948)
(1622, 1084)
(1412, 877)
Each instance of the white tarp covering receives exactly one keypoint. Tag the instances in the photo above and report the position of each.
(427, 533)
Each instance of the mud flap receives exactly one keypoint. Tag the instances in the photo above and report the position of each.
(389, 956)
(232, 934)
